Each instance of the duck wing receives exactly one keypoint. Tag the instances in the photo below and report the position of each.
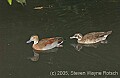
(46, 41)
(94, 35)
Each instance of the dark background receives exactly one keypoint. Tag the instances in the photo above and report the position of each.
(64, 18)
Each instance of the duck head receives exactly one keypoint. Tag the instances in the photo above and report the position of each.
(33, 38)
(77, 36)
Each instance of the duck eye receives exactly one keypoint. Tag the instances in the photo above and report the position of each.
(75, 35)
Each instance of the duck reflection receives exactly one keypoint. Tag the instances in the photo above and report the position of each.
(79, 46)
(36, 54)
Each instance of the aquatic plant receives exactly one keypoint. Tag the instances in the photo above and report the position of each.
(22, 2)
(10, 2)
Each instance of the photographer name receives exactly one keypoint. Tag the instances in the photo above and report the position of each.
(92, 73)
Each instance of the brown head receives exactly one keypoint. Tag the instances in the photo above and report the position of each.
(33, 38)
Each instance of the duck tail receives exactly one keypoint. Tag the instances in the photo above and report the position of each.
(109, 32)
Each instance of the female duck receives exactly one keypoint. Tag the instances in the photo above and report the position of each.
(91, 38)
(45, 44)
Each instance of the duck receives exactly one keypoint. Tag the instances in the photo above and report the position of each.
(46, 43)
(91, 38)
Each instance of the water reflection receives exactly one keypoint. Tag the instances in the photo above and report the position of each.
(36, 54)
(79, 46)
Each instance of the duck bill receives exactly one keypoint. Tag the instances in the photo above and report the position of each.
(28, 41)
(72, 37)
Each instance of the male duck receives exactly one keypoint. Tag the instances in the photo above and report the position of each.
(91, 38)
(45, 44)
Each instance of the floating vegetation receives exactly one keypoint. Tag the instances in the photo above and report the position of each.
(22, 2)
(41, 7)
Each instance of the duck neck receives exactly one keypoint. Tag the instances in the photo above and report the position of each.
(79, 37)
(35, 42)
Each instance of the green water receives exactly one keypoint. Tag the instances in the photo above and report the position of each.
(65, 18)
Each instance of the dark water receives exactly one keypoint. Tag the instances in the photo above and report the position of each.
(64, 19)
